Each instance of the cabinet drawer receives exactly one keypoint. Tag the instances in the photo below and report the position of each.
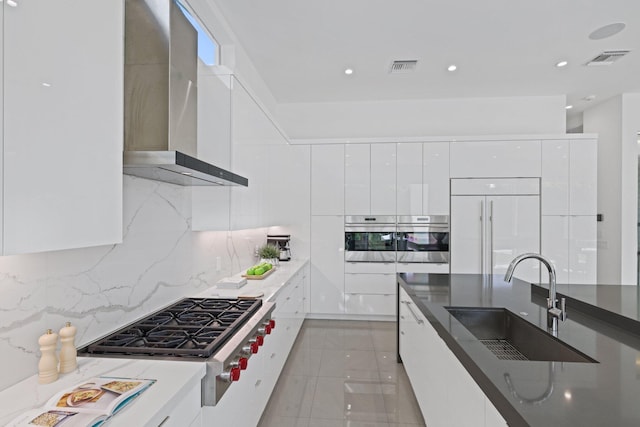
(415, 267)
(369, 283)
(185, 410)
(370, 267)
(370, 304)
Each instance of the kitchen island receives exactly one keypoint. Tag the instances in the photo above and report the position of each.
(515, 392)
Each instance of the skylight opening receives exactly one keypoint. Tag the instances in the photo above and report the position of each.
(207, 46)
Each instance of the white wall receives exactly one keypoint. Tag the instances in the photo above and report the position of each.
(617, 122)
(101, 288)
(460, 117)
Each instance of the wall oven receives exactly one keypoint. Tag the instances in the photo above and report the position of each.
(370, 239)
(423, 239)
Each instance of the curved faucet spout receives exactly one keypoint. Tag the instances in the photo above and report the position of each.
(555, 313)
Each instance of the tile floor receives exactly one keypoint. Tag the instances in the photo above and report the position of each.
(343, 374)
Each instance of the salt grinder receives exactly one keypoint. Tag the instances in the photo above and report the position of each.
(48, 365)
(68, 352)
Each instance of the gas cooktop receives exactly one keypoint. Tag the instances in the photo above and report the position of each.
(192, 328)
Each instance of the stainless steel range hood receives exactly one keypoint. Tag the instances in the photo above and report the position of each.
(160, 81)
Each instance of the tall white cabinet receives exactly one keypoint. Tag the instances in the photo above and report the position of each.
(493, 221)
(569, 208)
(62, 124)
(326, 294)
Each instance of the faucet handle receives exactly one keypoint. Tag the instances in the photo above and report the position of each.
(563, 309)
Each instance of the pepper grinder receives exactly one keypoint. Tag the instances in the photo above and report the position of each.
(68, 352)
(48, 365)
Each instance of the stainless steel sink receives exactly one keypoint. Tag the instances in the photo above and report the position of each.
(510, 337)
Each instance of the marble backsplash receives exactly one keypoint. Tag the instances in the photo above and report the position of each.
(100, 288)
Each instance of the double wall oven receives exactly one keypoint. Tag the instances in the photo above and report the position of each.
(403, 239)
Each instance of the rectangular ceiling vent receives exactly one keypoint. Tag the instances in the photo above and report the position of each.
(406, 66)
(607, 57)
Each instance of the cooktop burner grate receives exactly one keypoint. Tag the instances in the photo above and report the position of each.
(190, 328)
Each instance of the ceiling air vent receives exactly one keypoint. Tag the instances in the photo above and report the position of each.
(403, 66)
(607, 57)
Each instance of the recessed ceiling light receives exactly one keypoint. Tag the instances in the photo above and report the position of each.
(452, 67)
(607, 31)
(561, 64)
(569, 107)
(589, 98)
(348, 71)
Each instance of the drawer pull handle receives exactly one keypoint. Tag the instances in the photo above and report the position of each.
(272, 356)
(164, 421)
(413, 313)
(401, 332)
(258, 383)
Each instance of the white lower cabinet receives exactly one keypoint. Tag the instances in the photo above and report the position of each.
(370, 288)
(446, 393)
(186, 411)
(244, 402)
(422, 267)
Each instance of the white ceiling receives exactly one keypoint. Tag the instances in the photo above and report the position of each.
(501, 47)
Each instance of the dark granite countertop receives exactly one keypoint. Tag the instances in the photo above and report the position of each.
(543, 393)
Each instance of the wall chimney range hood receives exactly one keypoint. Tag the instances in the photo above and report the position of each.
(160, 111)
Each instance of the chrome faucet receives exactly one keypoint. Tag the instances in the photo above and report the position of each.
(553, 312)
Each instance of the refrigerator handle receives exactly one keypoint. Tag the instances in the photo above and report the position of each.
(482, 237)
(491, 237)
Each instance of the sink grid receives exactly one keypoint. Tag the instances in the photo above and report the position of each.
(503, 349)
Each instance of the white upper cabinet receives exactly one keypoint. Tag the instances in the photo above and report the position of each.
(435, 178)
(210, 204)
(583, 177)
(327, 179)
(62, 124)
(423, 178)
(569, 177)
(383, 179)
(409, 192)
(555, 177)
(357, 179)
(370, 179)
(495, 159)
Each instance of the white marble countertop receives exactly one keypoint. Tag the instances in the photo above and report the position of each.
(173, 378)
(269, 286)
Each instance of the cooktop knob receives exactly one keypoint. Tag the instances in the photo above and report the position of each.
(272, 323)
(265, 330)
(260, 339)
(231, 375)
(242, 363)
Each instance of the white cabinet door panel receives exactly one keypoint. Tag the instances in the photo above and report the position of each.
(357, 179)
(417, 267)
(326, 290)
(555, 177)
(410, 179)
(514, 229)
(370, 283)
(495, 159)
(370, 304)
(583, 249)
(383, 179)
(435, 175)
(555, 246)
(492, 418)
(327, 179)
(63, 122)
(370, 267)
(583, 177)
(467, 234)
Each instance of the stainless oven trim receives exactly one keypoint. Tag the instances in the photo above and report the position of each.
(437, 228)
(370, 219)
(423, 219)
(430, 257)
(370, 256)
(373, 228)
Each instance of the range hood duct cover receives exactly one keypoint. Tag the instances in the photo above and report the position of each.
(161, 85)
